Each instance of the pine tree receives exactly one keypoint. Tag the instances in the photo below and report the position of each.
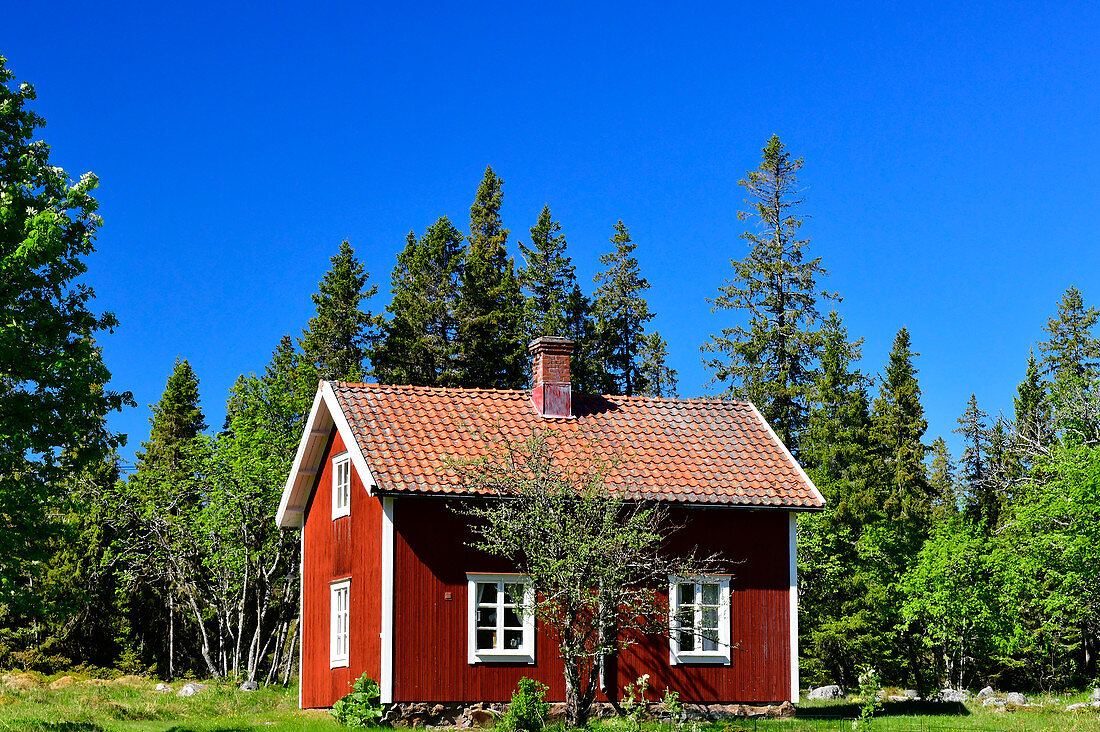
(655, 378)
(1073, 351)
(418, 341)
(621, 313)
(340, 334)
(490, 348)
(770, 361)
(899, 425)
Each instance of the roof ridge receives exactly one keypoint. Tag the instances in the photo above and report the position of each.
(527, 392)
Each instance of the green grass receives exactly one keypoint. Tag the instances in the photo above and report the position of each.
(222, 708)
(120, 708)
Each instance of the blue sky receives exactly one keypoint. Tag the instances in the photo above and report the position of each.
(951, 160)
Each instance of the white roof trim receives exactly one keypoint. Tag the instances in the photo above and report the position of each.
(797, 467)
(325, 413)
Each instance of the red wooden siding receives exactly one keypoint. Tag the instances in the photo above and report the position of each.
(350, 546)
(430, 631)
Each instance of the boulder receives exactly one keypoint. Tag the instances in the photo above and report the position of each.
(163, 688)
(897, 698)
(190, 689)
(1080, 705)
(1016, 698)
(1095, 695)
(993, 701)
(831, 691)
(129, 680)
(19, 681)
(63, 683)
(250, 686)
(955, 695)
(912, 694)
(986, 693)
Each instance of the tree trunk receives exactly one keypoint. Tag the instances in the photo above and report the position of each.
(171, 636)
(290, 655)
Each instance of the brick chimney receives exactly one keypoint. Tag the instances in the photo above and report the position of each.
(550, 388)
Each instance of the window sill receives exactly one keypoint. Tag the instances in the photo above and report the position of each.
(338, 664)
(713, 658)
(502, 657)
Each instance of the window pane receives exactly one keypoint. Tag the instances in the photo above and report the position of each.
(513, 594)
(487, 593)
(687, 594)
(687, 640)
(710, 594)
(486, 618)
(513, 639)
(512, 619)
(709, 621)
(710, 640)
(486, 640)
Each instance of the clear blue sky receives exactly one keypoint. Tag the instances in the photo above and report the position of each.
(952, 160)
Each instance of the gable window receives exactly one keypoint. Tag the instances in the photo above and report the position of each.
(341, 485)
(501, 625)
(339, 617)
(699, 618)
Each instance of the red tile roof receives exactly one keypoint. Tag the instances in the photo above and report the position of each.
(690, 450)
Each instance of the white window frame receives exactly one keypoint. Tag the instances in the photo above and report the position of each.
(526, 652)
(339, 621)
(341, 485)
(722, 654)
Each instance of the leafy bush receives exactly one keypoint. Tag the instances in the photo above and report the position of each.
(528, 710)
(362, 707)
(634, 703)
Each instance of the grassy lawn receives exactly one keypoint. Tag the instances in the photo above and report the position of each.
(96, 706)
(91, 706)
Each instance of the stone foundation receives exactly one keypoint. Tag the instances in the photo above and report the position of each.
(481, 714)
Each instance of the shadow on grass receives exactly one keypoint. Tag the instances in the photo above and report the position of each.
(890, 709)
(64, 727)
(219, 728)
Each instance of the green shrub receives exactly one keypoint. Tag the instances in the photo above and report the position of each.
(362, 707)
(528, 710)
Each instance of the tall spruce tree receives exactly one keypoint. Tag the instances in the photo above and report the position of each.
(489, 342)
(899, 426)
(943, 481)
(548, 277)
(418, 341)
(976, 469)
(339, 336)
(1073, 350)
(770, 359)
(621, 313)
(655, 378)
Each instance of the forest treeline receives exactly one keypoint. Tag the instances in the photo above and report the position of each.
(932, 568)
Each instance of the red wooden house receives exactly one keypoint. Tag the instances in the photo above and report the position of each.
(390, 588)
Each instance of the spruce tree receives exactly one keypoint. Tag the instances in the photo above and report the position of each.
(339, 336)
(548, 277)
(490, 347)
(621, 313)
(770, 359)
(655, 378)
(943, 481)
(1073, 351)
(899, 425)
(836, 443)
(976, 471)
(176, 421)
(418, 341)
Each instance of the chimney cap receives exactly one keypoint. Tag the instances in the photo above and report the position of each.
(551, 343)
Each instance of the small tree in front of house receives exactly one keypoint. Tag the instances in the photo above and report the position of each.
(591, 554)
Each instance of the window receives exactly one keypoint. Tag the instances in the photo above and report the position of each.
(341, 485)
(502, 619)
(338, 623)
(699, 619)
